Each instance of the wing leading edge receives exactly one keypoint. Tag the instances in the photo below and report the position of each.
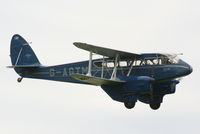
(104, 51)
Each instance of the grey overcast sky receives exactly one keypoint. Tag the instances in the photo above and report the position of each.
(138, 26)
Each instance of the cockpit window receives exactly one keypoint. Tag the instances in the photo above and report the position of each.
(173, 59)
(165, 60)
(157, 60)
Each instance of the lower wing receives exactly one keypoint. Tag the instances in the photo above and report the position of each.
(96, 80)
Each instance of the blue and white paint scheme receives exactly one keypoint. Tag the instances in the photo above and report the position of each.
(125, 77)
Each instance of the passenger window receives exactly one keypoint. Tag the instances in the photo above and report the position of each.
(155, 61)
(110, 64)
(137, 62)
(104, 64)
(149, 62)
(98, 63)
(123, 64)
(142, 63)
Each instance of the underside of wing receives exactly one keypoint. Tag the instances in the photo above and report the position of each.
(96, 80)
(104, 51)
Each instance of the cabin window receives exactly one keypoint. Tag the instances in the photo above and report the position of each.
(104, 64)
(153, 61)
(110, 64)
(137, 62)
(158, 60)
(149, 62)
(123, 64)
(129, 63)
(98, 63)
(142, 63)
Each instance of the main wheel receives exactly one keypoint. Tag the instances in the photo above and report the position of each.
(129, 105)
(155, 106)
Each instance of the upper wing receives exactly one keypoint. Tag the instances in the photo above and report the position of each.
(104, 51)
(96, 80)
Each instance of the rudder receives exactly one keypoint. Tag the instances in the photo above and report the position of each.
(22, 56)
(21, 53)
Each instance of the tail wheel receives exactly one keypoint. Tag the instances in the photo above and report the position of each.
(19, 79)
(129, 105)
(155, 106)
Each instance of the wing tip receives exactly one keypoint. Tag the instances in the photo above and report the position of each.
(77, 44)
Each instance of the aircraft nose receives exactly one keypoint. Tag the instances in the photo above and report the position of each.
(190, 69)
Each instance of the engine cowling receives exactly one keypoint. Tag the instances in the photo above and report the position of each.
(138, 84)
(128, 92)
(168, 87)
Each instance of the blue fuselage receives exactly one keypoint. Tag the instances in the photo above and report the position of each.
(62, 72)
(164, 76)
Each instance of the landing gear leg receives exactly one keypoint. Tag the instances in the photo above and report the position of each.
(129, 105)
(19, 79)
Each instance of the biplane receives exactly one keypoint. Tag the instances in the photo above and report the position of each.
(125, 77)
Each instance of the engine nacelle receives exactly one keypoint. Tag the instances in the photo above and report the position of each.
(168, 87)
(128, 92)
(138, 84)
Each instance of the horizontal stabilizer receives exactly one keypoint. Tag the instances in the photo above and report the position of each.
(24, 66)
(104, 51)
(96, 80)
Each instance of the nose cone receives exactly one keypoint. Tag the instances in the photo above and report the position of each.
(187, 68)
(190, 69)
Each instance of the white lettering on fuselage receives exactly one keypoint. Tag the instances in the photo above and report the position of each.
(65, 72)
(77, 69)
(71, 70)
(68, 71)
(51, 72)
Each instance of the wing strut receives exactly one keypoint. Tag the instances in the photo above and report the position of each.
(90, 65)
(131, 67)
(102, 68)
(114, 73)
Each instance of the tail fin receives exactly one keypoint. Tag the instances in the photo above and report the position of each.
(22, 54)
